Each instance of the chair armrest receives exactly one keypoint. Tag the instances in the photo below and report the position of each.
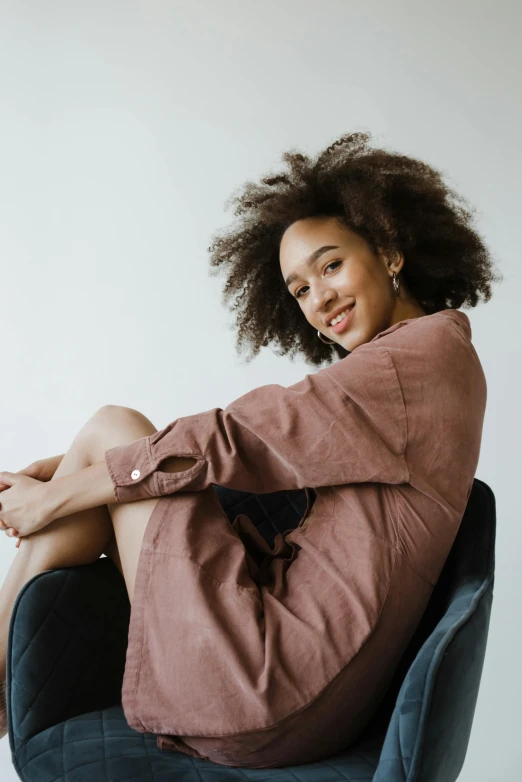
(66, 646)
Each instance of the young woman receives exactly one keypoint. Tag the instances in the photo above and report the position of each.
(240, 653)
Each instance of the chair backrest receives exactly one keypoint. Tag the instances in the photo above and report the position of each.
(427, 713)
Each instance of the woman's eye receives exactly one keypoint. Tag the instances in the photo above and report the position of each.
(332, 263)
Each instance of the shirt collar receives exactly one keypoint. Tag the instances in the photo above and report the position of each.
(459, 317)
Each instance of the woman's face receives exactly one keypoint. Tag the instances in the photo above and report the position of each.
(336, 279)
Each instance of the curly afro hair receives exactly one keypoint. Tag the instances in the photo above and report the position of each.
(393, 201)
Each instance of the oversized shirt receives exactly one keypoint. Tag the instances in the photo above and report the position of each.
(258, 657)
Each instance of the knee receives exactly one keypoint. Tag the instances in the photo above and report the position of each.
(121, 416)
(113, 425)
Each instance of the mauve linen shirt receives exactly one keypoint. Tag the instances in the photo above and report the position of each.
(258, 657)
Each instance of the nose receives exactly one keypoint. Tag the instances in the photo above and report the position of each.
(321, 299)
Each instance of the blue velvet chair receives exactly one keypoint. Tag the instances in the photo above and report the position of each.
(66, 655)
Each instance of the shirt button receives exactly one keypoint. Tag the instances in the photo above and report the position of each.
(135, 474)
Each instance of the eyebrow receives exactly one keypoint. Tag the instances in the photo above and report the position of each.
(311, 260)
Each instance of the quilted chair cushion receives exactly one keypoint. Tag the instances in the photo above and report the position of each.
(66, 655)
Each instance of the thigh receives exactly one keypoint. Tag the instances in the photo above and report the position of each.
(130, 520)
(112, 426)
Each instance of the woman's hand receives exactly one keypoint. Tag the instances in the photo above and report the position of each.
(23, 504)
(42, 470)
(27, 505)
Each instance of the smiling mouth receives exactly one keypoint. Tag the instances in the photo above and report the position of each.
(344, 323)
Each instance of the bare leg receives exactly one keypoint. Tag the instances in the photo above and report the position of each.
(82, 537)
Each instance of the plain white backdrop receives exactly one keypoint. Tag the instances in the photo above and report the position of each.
(125, 126)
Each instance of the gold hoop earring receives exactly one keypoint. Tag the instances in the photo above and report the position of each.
(326, 341)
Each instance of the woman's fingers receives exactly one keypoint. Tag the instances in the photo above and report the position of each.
(13, 533)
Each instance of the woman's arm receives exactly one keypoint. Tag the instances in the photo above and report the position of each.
(27, 504)
(343, 424)
(92, 486)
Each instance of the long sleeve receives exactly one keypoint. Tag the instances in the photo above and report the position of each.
(343, 424)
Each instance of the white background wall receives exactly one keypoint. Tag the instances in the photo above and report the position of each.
(125, 125)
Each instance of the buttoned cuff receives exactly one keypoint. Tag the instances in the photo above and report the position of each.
(135, 474)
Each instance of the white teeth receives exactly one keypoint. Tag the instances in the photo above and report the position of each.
(339, 318)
